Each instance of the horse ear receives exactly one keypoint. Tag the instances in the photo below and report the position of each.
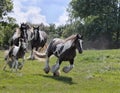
(79, 36)
(38, 27)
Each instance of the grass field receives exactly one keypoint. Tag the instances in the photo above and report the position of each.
(95, 71)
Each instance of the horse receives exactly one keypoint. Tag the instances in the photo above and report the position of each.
(20, 33)
(64, 50)
(38, 40)
(14, 54)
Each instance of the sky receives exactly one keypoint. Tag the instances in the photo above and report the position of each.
(40, 11)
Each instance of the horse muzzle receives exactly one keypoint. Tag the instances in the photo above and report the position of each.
(80, 51)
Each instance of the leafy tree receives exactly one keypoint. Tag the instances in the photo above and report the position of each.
(7, 24)
(72, 28)
(6, 6)
(101, 17)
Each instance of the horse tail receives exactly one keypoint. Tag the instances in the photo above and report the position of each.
(39, 55)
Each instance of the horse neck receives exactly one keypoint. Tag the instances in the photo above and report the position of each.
(30, 35)
(16, 34)
(20, 48)
(36, 36)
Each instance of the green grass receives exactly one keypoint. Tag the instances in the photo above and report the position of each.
(95, 71)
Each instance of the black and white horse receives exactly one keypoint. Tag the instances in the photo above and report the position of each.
(14, 54)
(38, 40)
(64, 50)
(20, 33)
(33, 37)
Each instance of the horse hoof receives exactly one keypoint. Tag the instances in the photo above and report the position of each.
(65, 69)
(54, 69)
(4, 69)
(57, 73)
(20, 67)
(46, 70)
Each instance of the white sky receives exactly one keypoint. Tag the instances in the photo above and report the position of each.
(40, 11)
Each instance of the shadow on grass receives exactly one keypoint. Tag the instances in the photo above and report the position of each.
(64, 79)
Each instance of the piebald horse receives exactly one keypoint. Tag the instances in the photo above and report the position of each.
(20, 33)
(38, 40)
(64, 50)
(14, 54)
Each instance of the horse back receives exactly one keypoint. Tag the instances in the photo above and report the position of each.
(53, 45)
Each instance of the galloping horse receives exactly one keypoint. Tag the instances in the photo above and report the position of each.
(38, 39)
(20, 33)
(64, 50)
(14, 54)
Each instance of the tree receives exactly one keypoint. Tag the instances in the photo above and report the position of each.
(6, 6)
(7, 24)
(101, 17)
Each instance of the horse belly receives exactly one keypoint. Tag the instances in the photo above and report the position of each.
(20, 55)
(36, 43)
(67, 55)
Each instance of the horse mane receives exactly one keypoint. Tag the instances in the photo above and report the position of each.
(72, 37)
(18, 31)
(31, 29)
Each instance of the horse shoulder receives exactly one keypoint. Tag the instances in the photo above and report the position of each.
(42, 35)
(15, 50)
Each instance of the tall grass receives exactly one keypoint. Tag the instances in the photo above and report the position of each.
(95, 71)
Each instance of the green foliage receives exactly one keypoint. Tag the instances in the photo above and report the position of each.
(85, 8)
(6, 6)
(7, 24)
(101, 17)
(73, 28)
(6, 31)
(95, 71)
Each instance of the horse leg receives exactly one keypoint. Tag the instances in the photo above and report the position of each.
(13, 64)
(21, 65)
(66, 69)
(32, 54)
(7, 54)
(16, 64)
(6, 57)
(47, 67)
(6, 63)
(55, 68)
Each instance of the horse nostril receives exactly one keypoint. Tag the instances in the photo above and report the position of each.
(80, 52)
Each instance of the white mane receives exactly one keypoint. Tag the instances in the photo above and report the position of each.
(16, 34)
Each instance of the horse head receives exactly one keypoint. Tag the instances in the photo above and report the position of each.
(36, 32)
(78, 43)
(23, 28)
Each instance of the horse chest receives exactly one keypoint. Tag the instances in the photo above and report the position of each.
(18, 52)
(68, 54)
(36, 43)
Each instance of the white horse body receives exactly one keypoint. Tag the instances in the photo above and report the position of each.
(14, 53)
